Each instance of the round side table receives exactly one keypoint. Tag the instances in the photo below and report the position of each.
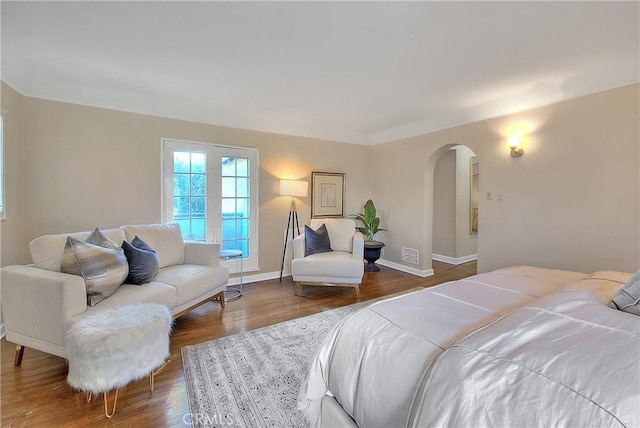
(233, 292)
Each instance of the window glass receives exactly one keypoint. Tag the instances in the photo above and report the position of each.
(189, 194)
(210, 191)
(235, 202)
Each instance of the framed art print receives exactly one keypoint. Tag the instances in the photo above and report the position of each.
(327, 194)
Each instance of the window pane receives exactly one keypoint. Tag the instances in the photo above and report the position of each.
(198, 229)
(181, 184)
(242, 167)
(243, 228)
(242, 187)
(181, 162)
(244, 246)
(199, 185)
(198, 207)
(181, 208)
(185, 227)
(228, 187)
(198, 162)
(228, 166)
(228, 229)
(228, 245)
(242, 208)
(228, 207)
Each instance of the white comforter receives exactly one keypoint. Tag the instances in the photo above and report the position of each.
(566, 359)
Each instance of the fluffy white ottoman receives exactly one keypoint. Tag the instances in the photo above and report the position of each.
(111, 348)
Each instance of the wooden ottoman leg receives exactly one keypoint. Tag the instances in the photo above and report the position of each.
(152, 375)
(357, 290)
(115, 401)
(297, 288)
(152, 379)
(17, 360)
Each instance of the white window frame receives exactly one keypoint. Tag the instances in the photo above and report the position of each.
(214, 153)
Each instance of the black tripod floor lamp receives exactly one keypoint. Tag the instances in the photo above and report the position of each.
(295, 189)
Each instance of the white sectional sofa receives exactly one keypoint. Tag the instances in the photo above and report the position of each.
(39, 302)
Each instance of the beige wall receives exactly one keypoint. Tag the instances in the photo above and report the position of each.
(571, 202)
(88, 167)
(444, 205)
(13, 244)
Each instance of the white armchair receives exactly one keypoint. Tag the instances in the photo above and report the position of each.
(343, 266)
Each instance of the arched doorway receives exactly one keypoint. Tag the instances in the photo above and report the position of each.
(452, 227)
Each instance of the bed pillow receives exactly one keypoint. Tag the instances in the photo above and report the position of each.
(628, 297)
(142, 259)
(103, 269)
(316, 241)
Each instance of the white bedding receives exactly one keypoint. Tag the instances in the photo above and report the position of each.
(403, 362)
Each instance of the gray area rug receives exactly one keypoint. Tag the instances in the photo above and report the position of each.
(252, 379)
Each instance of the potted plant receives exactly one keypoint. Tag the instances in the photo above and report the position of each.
(370, 226)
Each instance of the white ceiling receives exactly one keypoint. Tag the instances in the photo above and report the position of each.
(359, 72)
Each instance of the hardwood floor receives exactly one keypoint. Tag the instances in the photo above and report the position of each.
(37, 394)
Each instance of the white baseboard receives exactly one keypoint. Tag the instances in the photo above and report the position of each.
(404, 268)
(246, 279)
(454, 260)
(249, 278)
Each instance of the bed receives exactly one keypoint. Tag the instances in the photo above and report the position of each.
(521, 346)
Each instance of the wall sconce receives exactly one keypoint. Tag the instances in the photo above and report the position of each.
(514, 142)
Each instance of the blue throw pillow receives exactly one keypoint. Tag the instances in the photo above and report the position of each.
(316, 241)
(143, 261)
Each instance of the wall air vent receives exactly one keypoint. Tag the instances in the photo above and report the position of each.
(410, 255)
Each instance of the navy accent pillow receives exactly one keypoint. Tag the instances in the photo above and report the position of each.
(628, 297)
(143, 261)
(316, 241)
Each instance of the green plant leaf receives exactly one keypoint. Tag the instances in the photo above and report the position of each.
(370, 223)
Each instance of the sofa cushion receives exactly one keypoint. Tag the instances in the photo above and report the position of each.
(336, 264)
(46, 251)
(165, 238)
(153, 292)
(192, 281)
(103, 269)
(143, 261)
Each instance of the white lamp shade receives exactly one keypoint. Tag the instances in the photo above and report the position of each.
(293, 188)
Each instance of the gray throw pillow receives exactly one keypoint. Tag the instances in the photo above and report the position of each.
(627, 299)
(104, 269)
(97, 238)
(316, 241)
(143, 261)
